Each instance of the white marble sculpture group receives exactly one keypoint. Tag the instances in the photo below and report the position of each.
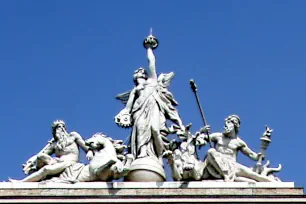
(148, 106)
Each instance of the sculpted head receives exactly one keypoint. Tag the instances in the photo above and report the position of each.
(95, 141)
(140, 74)
(59, 129)
(232, 125)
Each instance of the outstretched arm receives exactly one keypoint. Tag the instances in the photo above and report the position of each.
(247, 151)
(152, 67)
(213, 137)
(202, 138)
(79, 140)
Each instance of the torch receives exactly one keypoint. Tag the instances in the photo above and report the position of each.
(265, 141)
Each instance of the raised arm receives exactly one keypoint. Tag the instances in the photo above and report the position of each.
(247, 151)
(202, 138)
(212, 136)
(152, 67)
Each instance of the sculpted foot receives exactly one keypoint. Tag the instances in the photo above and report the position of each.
(167, 154)
(15, 180)
(226, 178)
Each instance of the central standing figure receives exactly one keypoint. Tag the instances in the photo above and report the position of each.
(148, 106)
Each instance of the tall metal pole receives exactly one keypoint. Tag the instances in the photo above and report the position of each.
(195, 89)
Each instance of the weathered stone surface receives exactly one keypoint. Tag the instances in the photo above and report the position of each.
(148, 185)
(125, 192)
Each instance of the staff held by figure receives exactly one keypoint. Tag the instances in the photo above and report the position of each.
(195, 89)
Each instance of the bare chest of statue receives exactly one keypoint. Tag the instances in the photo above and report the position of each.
(227, 145)
(68, 147)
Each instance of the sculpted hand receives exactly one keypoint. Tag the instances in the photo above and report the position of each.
(260, 155)
(118, 116)
(90, 155)
(200, 139)
(123, 118)
(167, 154)
(205, 129)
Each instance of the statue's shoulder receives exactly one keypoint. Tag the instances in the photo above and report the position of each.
(241, 142)
(216, 134)
(74, 134)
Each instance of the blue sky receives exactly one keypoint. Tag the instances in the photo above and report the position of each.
(68, 59)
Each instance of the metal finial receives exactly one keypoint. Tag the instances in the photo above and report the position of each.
(150, 41)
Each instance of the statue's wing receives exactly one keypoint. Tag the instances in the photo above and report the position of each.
(165, 79)
(124, 97)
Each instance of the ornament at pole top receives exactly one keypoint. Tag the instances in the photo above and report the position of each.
(150, 41)
(266, 138)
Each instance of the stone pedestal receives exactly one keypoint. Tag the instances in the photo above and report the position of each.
(147, 169)
(151, 192)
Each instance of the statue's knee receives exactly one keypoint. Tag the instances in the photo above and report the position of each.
(40, 156)
(45, 170)
(211, 151)
(50, 168)
(211, 154)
